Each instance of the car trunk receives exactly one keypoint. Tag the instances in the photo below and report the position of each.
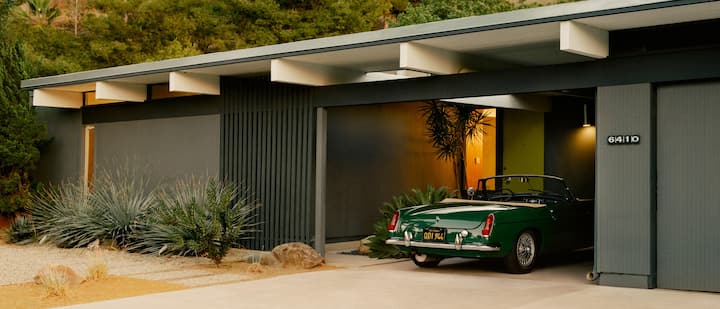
(453, 216)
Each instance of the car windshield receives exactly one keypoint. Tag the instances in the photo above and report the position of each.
(492, 188)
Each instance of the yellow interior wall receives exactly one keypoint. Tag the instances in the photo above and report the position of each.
(480, 154)
(523, 142)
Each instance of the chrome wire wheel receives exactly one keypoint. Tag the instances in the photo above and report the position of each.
(525, 249)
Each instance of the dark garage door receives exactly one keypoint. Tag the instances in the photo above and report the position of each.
(688, 225)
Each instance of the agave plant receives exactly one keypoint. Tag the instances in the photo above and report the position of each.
(196, 217)
(378, 248)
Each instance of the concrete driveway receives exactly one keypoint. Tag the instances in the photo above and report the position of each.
(367, 283)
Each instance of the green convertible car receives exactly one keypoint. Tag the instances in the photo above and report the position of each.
(513, 217)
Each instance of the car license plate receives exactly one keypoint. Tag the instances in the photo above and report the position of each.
(434, 234)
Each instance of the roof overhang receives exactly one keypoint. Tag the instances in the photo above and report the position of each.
(559, 34)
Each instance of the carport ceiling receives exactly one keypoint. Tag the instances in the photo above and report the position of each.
(559, 34)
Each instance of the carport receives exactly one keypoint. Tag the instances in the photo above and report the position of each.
(261, 116)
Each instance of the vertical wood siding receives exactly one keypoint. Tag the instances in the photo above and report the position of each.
(688, 181)
(624, 209)
(268, 145)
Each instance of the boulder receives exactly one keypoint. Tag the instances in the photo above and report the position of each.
(261, 258)
(297, 254)
(58, 273)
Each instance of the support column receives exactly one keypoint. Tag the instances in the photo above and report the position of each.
(625, 186)
(320, 178)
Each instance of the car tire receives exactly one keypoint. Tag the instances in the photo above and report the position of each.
(425, 260)
(523, 255)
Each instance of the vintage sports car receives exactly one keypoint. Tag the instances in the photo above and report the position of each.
(514, 217)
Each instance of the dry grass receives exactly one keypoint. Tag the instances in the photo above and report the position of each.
(97, 271)
(97, 268)
(54, 282)
(30, 295)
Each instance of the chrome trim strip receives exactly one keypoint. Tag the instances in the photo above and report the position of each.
(434, 245)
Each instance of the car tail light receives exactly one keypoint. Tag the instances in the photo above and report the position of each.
(393, 221)
(487, 229)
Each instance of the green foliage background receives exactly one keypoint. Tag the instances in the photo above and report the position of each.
(20, 133)
(62, 38)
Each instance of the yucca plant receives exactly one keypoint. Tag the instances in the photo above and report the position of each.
(70, 215)
(64, 215)
(378, 248)
(122, 201)
(196, 217)
(20, 231)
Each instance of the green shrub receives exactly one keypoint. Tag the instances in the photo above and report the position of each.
(378, 248)
(20, 231)
(200, 218)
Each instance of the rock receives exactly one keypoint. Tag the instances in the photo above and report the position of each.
(58, 273)
(364, 249)
(268, 259)
(262, 258)
(257, 268)
(297, 254)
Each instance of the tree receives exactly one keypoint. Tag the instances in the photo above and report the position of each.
(449, 126)
(20, 132)
(40, 11)
(435, 10)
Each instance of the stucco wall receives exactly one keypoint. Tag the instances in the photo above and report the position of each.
(162, 149)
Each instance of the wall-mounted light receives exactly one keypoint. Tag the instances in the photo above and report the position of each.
(585, 121)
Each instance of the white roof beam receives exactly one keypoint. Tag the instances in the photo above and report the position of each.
(584, 40)
(194, 83)
(302, 73)
(418, 57)
(522, 102)
(57, 98)
(120, 91)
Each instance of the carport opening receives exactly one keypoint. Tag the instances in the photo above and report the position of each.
(375, 152)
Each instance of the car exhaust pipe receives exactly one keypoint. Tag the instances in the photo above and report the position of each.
(592, 276)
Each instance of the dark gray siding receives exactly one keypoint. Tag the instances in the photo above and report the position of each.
(268, 144)
(624, 187)
(570, 148)
(161, 149)
(61, 157)
(154, 109)
(657, 67)
(373, 153)
(688, 181)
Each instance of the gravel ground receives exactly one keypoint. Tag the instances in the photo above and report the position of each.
(19, 264)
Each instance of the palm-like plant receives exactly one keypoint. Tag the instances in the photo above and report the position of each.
(449, 126)
(378, 248)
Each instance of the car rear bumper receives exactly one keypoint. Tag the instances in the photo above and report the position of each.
(435, 245)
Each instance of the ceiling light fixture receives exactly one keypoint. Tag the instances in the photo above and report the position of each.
(585, 122)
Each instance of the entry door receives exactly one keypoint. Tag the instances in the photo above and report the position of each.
(688, 191)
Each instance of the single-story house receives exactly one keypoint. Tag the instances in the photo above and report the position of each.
(324, 130)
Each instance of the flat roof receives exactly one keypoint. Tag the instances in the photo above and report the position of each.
(521, 38)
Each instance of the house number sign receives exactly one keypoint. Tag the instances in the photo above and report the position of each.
(623, 139)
